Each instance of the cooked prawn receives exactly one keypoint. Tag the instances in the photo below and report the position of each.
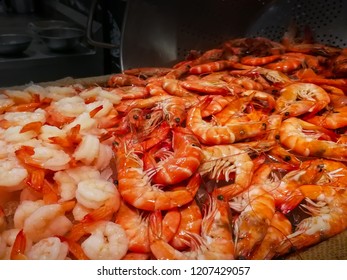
(303, 138)
(327, 207)
(46, 221)
(256, 207)
(214, 242)
(210, 134)
(50, 248)
(181, 163)
(300, 98)
(108, 241)
(135, 186)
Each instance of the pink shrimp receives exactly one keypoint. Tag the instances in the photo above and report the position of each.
(181, 163)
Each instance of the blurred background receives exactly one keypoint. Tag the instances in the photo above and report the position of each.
(30, 53)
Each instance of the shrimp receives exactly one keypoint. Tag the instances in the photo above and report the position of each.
(98, 93)
(174, 87)
(331, 119)
(210, 134)
(94, 193)
(135, 186)
(209, 67)
(88, 149)
(300, 98)
(50, 248)
(280, 227)
(12, 174)
(67, 180)
(24, 210)
(108, 241)
(258, 61)
(23, 118)
(257, 208)
(46, 221)
(222, 160)
(327, 207)
(44, 156)
(303, 138)
(215, 241)
(181, 163)
(207, 87)
(5, 103)
(135, 224)
(120, 80)
(147, 72)
(190, 223)
(7, 242)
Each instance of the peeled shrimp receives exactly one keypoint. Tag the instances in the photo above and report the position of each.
(107, 241)
(94, 193)
(50, 248)
(46, 221)
(12, 174)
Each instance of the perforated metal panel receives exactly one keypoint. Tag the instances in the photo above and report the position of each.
(158, 33)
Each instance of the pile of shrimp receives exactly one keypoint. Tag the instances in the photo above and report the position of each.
(237, 152)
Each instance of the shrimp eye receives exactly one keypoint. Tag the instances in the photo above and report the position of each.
(287, 158)
(320, 167)
(177, 120)
(115, 182)
(220, 197)
(264, 125)
(242, 132)
(115, 143)
(287, 114)
(277, 137)
(148, 116)
(135, 117)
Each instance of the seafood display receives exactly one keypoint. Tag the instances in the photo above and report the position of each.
(237, 152)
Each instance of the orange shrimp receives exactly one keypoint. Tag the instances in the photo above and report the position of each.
(135, 185)
(211, 134)
(286, 64)
(147, 72)
(178, 165)
(131, 92)
(243, 81)
(279, 228)
(135, 224)
(207, 87)
(258, 61)
(300, 98)
(327, 207)
(211, 67)
(256, 207)
(303, 138)
(190, 223)
(222, 160)
(331, 119)
(155, 88)
(214, 104)
(119, 80)
(215, 241)
(173, 87)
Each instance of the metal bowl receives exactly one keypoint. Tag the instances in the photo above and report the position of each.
(61, 39)
(12, 44)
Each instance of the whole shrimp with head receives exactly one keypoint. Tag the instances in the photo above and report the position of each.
(135, 187)
(256, 207)
(220, 161)
(327, 207)
(179, 165)
(214, 242)
(304, 138)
